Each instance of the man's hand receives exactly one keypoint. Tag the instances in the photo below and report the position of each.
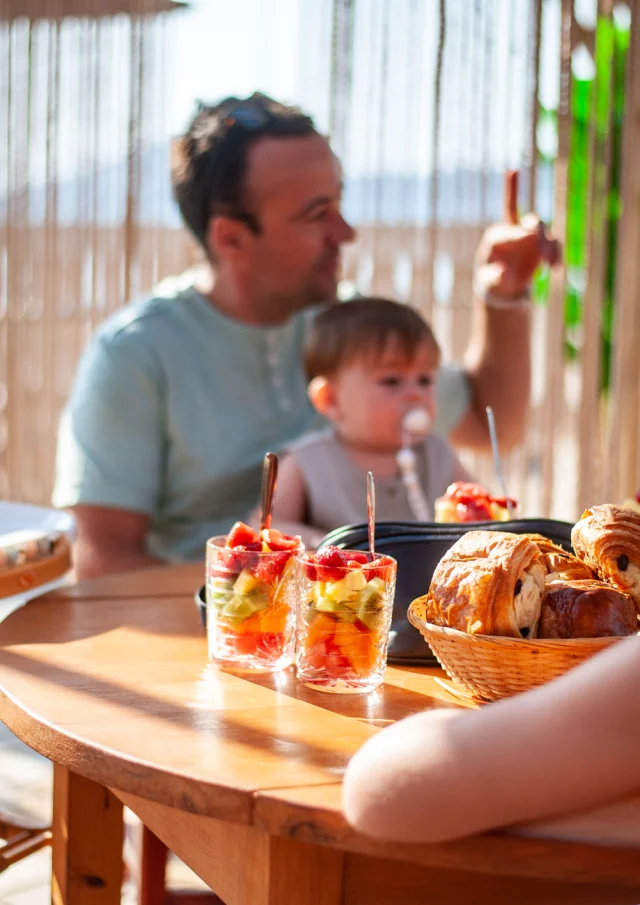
(498, 358)
(510, 252)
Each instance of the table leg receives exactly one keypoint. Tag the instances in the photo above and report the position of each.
(245, 865)
(87, 842)
(153, 867)
(294, 873)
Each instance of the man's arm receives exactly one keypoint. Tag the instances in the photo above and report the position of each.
(498, 358)
(498, 366)
(111, 448)
(109, 540)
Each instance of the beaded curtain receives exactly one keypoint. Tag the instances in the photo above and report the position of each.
(428, 103)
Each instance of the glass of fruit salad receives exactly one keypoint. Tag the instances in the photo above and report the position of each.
(467, 502)
(344, 612)
(251, 594)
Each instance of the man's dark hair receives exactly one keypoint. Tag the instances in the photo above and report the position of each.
(363, 329)
(209, 162)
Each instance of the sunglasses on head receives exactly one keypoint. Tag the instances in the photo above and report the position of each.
(250, 118)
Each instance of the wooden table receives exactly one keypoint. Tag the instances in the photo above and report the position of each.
(240, 777)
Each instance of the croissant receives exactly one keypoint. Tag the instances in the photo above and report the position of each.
(560, 565)
(607, 538)
(490, 583)
(585, 609)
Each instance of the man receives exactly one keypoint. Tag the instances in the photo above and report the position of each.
(177, 398)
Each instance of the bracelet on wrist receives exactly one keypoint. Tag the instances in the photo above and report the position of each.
(521, 301)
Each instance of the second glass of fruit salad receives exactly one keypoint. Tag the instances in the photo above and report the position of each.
(344, 613)
(251, 593)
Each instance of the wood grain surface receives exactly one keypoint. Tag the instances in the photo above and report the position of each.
(110, 680)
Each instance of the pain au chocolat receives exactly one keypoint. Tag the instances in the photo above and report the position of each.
(560, 565)
(488, 583)
(586, 609)
(607, 538)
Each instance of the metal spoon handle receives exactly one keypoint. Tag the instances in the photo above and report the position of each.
(371, 512)
(269, 481)
(496, 457)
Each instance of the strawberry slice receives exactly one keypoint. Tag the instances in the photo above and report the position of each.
(311, 570)
(242, 535)
(466, 490)
(380, 568)
(277, 541)
(358, 556)
(504, 502)
(331, 563)
(270, 566)
(238, 558)
(473, 511)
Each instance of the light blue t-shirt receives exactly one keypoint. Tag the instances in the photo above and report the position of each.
(173, 408)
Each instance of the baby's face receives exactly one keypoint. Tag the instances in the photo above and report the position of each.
(373, 397)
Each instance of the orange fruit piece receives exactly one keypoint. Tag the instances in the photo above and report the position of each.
(359, 647)
(322, 628)
(274, 619)
(252, 624)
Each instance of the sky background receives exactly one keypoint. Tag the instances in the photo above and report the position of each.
(283, 48)
(215, 48)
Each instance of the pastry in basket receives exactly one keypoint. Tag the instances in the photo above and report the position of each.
(31, 558)
(607, 538)
(586, 609)
(560, 565)
(488, 583)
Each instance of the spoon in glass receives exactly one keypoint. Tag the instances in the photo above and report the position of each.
(371, 513)
(269, 481)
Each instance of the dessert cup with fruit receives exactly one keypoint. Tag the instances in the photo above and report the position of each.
(250, 590)
(344, 613)
(464, 501)
(632, 502)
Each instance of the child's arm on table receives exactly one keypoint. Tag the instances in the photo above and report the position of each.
(290, 505)
(567, 746)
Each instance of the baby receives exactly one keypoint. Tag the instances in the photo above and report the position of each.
(372, 366)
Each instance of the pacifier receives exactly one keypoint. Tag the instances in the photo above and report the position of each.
(417, 423)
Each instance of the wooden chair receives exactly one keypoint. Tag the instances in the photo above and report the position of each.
(21, 839)
(152, 880)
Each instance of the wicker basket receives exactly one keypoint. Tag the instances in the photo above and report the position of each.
(491, 667)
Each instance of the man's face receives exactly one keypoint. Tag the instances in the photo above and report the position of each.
(294, 188)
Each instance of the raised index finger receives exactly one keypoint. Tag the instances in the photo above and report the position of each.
(511, 197)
